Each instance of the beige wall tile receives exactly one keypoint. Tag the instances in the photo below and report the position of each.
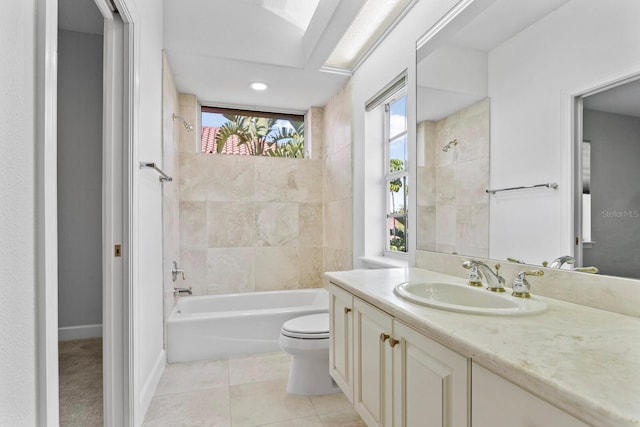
(193, 225)
(276, 268)
(230, 224)
(194, 264)
(276, 224)
(310, 225)
(276, 180)
(229, 178)
(230, 270)
(310, 267)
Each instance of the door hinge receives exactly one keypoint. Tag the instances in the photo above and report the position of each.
(117, 251)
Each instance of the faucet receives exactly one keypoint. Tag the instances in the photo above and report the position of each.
(560, 261)
(479, 269)
(521, 285)
(592, 270)
(182, 291)
(175, 271)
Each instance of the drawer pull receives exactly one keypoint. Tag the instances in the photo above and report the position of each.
(393, 342)
(384, 337)
(347, 310)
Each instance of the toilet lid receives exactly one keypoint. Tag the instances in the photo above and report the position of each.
(314, 326)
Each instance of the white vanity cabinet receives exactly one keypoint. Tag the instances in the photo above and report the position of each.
(341, 338)
(401, 377)
(498, 402)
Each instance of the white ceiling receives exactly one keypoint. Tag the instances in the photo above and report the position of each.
(216, 48)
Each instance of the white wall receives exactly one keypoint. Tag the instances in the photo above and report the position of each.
(79, 183)
(531, 79)
(17, 214)
(395, 54)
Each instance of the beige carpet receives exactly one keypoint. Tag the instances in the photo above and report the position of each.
(80, 382)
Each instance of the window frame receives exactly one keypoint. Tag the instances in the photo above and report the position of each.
(290, 116)
(389, 176)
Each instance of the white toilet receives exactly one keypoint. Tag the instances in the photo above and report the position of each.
(306, 339)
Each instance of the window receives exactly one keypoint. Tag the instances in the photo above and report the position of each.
(396, 174)
(253, 133)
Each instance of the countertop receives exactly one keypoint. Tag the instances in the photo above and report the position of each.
(583, 360)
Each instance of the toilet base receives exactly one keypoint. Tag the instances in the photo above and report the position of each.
(309, 376)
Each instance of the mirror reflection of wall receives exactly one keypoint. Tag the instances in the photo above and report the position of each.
(611, 122)
(535, 63)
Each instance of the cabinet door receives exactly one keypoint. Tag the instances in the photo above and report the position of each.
(341, 339)
(372, 364)
(430, 382)
(497, 402)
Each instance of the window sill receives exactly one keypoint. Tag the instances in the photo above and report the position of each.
(383, 262)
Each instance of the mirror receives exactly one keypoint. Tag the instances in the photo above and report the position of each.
(522, 68)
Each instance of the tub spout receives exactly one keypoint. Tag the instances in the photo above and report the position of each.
(182, 291)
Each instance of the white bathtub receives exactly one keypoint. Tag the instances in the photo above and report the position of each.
(220, 326)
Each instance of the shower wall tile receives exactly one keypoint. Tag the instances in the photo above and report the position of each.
(277, 268)
(276, 224)
(229, 178)
(230, 224)
(310, 267)
(260, 223)
(231, 270)
(193, 225)
(310, 225)
(276, 180)
(194, 263)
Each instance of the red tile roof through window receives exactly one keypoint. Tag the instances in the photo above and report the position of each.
(208, 143)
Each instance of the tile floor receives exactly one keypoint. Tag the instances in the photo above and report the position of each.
(239, 392)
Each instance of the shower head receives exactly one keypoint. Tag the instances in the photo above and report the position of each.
(447, 147)
(188, 126)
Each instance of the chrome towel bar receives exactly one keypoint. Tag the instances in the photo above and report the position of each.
(150, 165)
(552, 185)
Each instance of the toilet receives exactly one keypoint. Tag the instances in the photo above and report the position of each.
(306, 339)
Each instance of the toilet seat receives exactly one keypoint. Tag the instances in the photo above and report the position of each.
(314, 326)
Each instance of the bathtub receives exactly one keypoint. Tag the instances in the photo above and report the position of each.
(220, 326)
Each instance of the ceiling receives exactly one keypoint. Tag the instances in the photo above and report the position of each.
(304, 50)
(216, 48)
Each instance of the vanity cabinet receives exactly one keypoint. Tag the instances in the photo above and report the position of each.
(401, 377)
(341, 339)
(498, 402)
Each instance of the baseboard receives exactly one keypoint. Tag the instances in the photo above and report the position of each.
(79, 332)
(150, 386)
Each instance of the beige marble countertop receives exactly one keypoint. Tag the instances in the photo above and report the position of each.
(583, 360)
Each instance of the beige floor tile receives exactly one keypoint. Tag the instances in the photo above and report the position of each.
(329, 403)
(260, 367)
(267, 402)
(199, 408)
(300, 422)
(342, 419)
(193, 376)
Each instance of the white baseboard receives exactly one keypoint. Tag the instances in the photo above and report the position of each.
(150, 386)
(79, 332)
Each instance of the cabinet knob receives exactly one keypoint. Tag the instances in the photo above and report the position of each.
(393, 342)
(384, 337)
(347, 310)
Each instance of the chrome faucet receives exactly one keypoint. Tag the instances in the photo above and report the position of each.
(182, 291)
(495, 282)
(175, 271)
(560, 261)
(521, 285)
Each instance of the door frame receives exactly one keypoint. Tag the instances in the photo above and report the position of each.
(119, 146)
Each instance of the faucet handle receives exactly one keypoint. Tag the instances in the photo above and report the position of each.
(521, 285)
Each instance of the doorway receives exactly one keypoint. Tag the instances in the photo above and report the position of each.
(80, 245)
(608, 199)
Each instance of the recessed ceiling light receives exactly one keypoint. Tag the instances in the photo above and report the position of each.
(259, 86)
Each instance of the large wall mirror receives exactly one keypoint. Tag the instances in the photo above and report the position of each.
(508, 94)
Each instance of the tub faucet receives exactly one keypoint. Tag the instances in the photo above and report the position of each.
(495, 282)
(182, 291)
(175, 271)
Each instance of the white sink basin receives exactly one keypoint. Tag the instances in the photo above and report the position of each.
(467, 299)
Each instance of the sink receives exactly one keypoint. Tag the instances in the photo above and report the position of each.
(467, 299)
